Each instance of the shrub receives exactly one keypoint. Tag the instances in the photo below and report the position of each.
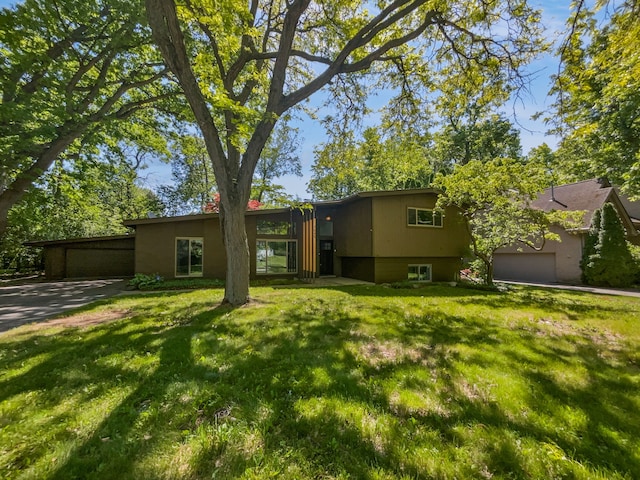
(607, 260)
(635, 254)
(142, 281)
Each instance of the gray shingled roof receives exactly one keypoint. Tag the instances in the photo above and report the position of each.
(587, 196)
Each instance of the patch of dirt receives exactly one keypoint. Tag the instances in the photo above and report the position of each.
(378, 354)
(84, 319)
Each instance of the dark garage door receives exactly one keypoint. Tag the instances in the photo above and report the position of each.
(525, 267)
(86, 263)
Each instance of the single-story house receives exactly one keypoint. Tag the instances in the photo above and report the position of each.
(373, 236)
(560, 261)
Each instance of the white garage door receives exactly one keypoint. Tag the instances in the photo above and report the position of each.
(525, 267)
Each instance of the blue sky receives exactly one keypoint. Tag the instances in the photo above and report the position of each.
(532, 132)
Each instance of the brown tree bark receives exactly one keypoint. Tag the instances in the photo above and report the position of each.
(234, 235)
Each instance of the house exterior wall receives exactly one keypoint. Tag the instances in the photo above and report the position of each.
(352, 229)
(393, 237)
(156, 246)
(90, 258)
(371, 237)
(393, 269)
(361, 268)
(567, 254)
(55, 262)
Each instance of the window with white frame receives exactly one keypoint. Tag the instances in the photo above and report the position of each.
(275, 257)
(419, 273)
(189, 256)
(423, 217)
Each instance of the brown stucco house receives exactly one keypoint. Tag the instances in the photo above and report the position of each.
(560, 261)
(373, 236)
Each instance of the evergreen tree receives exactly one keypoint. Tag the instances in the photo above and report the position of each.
(607, 260)
(590, 243)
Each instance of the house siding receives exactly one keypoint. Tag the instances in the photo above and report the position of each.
(361, 268)
(89, 258)
(393, 237)
(393, 269)
(371, 239)
(353, 229)
(156, 246)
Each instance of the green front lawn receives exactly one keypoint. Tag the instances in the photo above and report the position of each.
(311, 383)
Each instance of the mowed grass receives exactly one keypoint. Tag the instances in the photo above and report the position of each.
(309, 383)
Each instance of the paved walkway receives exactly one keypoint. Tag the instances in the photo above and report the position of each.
(25, 303)
(580, 288)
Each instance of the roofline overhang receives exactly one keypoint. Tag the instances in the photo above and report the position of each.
(201, 216)
(314, 204)
(49, 243)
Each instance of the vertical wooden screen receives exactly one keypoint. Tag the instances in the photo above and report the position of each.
(309, 245)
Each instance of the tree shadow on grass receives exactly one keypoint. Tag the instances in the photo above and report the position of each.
(311, 391)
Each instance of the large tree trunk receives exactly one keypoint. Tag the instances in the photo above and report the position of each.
(234, 235)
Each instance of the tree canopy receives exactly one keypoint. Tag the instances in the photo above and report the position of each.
(241, 65)
(70, 73)
(495, 199)
(598, 94)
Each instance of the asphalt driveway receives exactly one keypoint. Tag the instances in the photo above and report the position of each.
(33, 302)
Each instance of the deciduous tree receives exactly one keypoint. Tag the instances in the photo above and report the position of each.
(598, 94)
(395, 160)
(494, 197)
(70, 71)
(242, 65)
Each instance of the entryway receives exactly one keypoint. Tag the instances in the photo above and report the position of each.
(326, 257)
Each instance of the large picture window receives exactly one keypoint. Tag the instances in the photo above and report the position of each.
(276, 257)
(422, 217)
(419, 273)
(189, 257)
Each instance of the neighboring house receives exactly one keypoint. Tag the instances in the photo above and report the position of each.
(373, 236)
(560, 261)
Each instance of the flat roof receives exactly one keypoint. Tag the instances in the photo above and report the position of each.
(64, 241)
(200, 216)
(274, 211)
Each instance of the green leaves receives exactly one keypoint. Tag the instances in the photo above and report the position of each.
(606, 259)
(598, 102)
(71, 72)
(494, 197)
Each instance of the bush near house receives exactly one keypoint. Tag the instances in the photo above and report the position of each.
(635, 254)
(607, 260)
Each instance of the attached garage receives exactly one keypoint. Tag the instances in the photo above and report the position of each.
(525, 267)
(101, 257)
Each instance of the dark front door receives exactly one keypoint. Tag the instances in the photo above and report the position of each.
(326, 257)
